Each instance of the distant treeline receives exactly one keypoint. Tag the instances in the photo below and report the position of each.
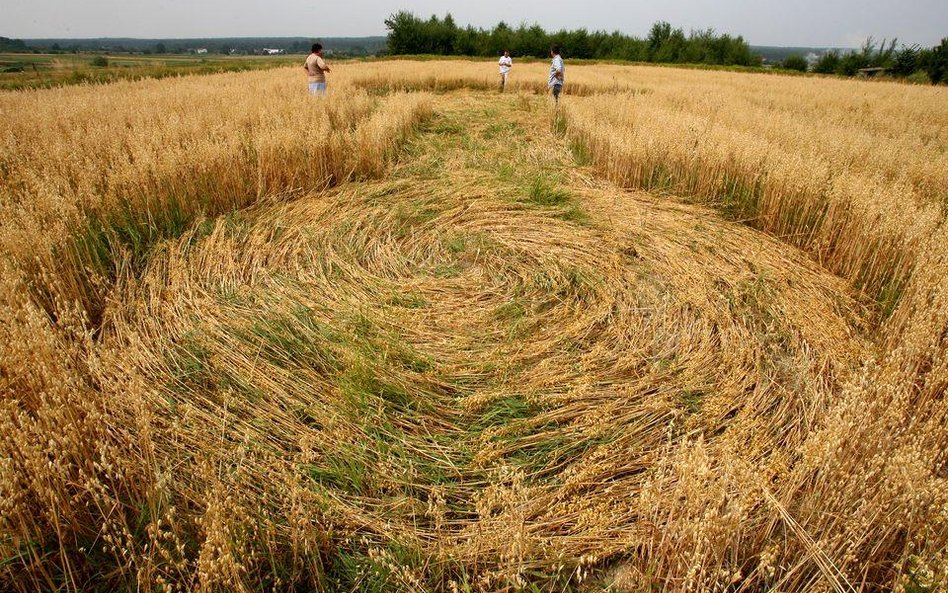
(355, 46)
(909, 62)
(409, 34)
(906, 62)
(12, 45)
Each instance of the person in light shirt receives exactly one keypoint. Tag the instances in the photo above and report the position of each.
(505, 63)
(316, 70)
(557, 73)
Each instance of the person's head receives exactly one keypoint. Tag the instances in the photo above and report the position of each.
(506, 53)
(317, 48)
(555, 50)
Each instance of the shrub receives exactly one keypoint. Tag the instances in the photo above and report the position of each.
(828, 63)
(919, 77)
(906, 61)
(935, 62)
(100, 61)
(851, 63)
(795, 62)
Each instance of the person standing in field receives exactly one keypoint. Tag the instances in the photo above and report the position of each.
(557, 73)
(316, 70)
(505, 63)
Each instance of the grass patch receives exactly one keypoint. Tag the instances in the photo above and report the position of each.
(189, 359)
(446, 270)
(446, 127)
(560, 125)
(414, 213)
(537, 458)
(503, 129)
(752, 300)
(510, 311)
(565, 283)
(363, 389)
(581, 154)
(468, 246)
(574, 213)
(740, 200)
(394, 566)
(659, 179)
(297, 341)
(340, 471)
(504, 411)
(889, 297)
(544, 191)
(514, 314)
(505, 172)
(71, 69)
(456, 244)
(408, 300)
(691, 400)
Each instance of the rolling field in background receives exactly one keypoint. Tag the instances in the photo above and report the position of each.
(686, 331)
(31, 71)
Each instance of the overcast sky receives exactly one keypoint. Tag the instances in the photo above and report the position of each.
(841, 23)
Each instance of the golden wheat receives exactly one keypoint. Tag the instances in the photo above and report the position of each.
(148, 158)
(252, 339)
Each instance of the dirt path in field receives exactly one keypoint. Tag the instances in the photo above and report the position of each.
(486, 355)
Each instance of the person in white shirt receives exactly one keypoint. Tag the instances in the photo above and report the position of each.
(505, 63)
(557, 73)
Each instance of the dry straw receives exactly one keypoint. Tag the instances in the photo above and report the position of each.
(260, 340)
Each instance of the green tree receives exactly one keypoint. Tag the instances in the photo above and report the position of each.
(13, 45)
(441, 35)
(868, 56)
(828, 63)
(672, 50)
(404, 33)
(657, 37)
(407, 34)
(579, 44)
(501, 38)
(795, 62)
(906, 61)
(467, 41)
(851, 63)
(739, 53)
(935, 62)
(884, 57)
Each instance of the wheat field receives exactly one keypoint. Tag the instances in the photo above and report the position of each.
(687, 331)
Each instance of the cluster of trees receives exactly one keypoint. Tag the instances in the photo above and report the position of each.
(12, 45)
(408, 34)
(906, 62)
